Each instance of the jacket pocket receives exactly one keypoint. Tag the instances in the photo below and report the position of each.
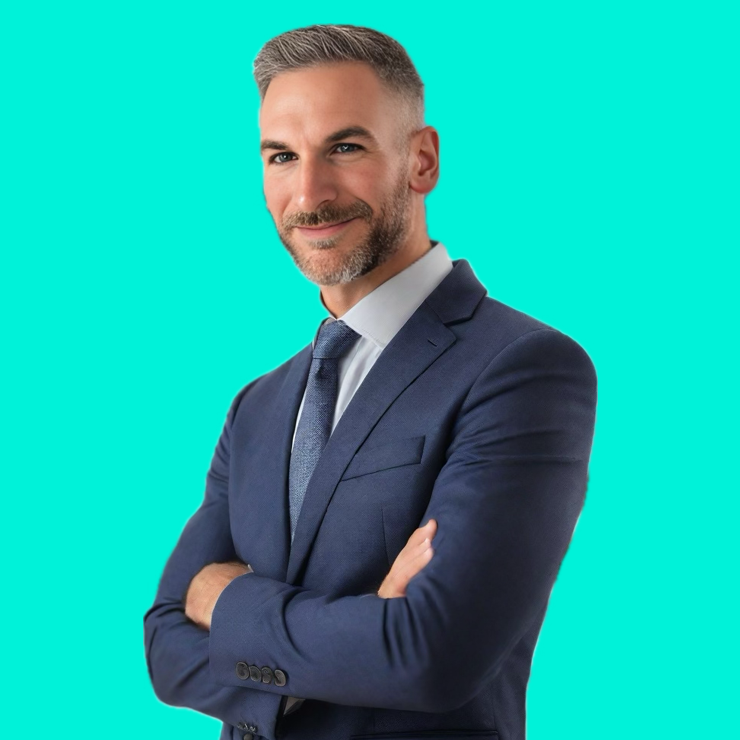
(391, 454)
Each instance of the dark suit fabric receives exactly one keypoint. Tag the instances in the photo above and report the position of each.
(476, 415)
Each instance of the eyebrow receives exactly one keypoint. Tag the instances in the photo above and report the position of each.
(344, 133)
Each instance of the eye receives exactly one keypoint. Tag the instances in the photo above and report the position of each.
(274, 158)
(347, 151)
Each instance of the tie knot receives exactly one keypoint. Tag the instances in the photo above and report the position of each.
(334, 339)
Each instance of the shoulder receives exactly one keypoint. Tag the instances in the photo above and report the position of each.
(502, 332)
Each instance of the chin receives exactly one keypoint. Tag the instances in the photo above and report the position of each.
(329, 261)
(333, 269)
(323, 271)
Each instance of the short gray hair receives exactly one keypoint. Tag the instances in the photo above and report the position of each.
(316, 45)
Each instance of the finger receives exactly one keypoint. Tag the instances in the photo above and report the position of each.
(409, 549)
(410, 552)
(402, 580)
(428, 530)
(414, 566)
(421, 551)
(420, 534)
(397, 581)
(404, 563)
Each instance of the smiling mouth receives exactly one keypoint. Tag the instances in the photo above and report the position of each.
(324, 231)
(324, 227)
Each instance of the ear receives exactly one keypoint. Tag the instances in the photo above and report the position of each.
(424, 160)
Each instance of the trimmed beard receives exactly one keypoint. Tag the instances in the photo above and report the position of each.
(385, 237)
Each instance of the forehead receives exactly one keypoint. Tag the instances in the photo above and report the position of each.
(316, 101)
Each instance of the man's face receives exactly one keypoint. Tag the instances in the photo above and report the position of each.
(335, 171)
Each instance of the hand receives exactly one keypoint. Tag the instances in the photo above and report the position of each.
(410, 561)
(206, 587)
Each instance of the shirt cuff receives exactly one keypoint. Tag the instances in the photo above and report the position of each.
(292, 705)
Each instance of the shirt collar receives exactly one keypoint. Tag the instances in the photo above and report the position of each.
(380, 314)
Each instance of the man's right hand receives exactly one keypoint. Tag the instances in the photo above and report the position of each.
(410, 561)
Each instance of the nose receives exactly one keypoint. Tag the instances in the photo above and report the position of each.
(314, 184)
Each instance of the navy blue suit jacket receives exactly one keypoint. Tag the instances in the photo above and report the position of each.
(476, 415)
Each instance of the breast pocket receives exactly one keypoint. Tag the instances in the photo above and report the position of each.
(394, 453)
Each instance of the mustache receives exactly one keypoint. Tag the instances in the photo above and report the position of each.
(330, 214)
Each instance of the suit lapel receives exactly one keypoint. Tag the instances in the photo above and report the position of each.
(417, 345)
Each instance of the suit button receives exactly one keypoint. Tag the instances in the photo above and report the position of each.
(280, 677)
(266, 675)
(255, 673)
(247, 736)
(242, 670)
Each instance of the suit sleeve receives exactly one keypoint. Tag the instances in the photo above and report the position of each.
(176, 649)
(506, 502)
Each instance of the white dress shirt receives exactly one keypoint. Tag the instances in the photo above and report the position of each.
(377, 318)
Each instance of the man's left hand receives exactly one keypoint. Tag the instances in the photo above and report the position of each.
(206, 587)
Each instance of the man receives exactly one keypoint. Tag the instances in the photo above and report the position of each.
(385, 513)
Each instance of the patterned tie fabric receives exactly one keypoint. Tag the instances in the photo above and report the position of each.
(314, 427)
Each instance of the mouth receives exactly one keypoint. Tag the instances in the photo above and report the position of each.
(324, 230)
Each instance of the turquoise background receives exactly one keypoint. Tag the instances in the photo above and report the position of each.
(590, 176)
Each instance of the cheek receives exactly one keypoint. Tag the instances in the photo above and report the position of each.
(365, 180)
(372, 181)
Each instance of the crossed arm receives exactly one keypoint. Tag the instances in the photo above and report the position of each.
(201, 565)
(180, 655)
(208, 584)
(507, 500)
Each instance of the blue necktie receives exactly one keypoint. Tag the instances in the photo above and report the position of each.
(314, 426)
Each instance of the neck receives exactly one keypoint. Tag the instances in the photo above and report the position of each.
(338, 299)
